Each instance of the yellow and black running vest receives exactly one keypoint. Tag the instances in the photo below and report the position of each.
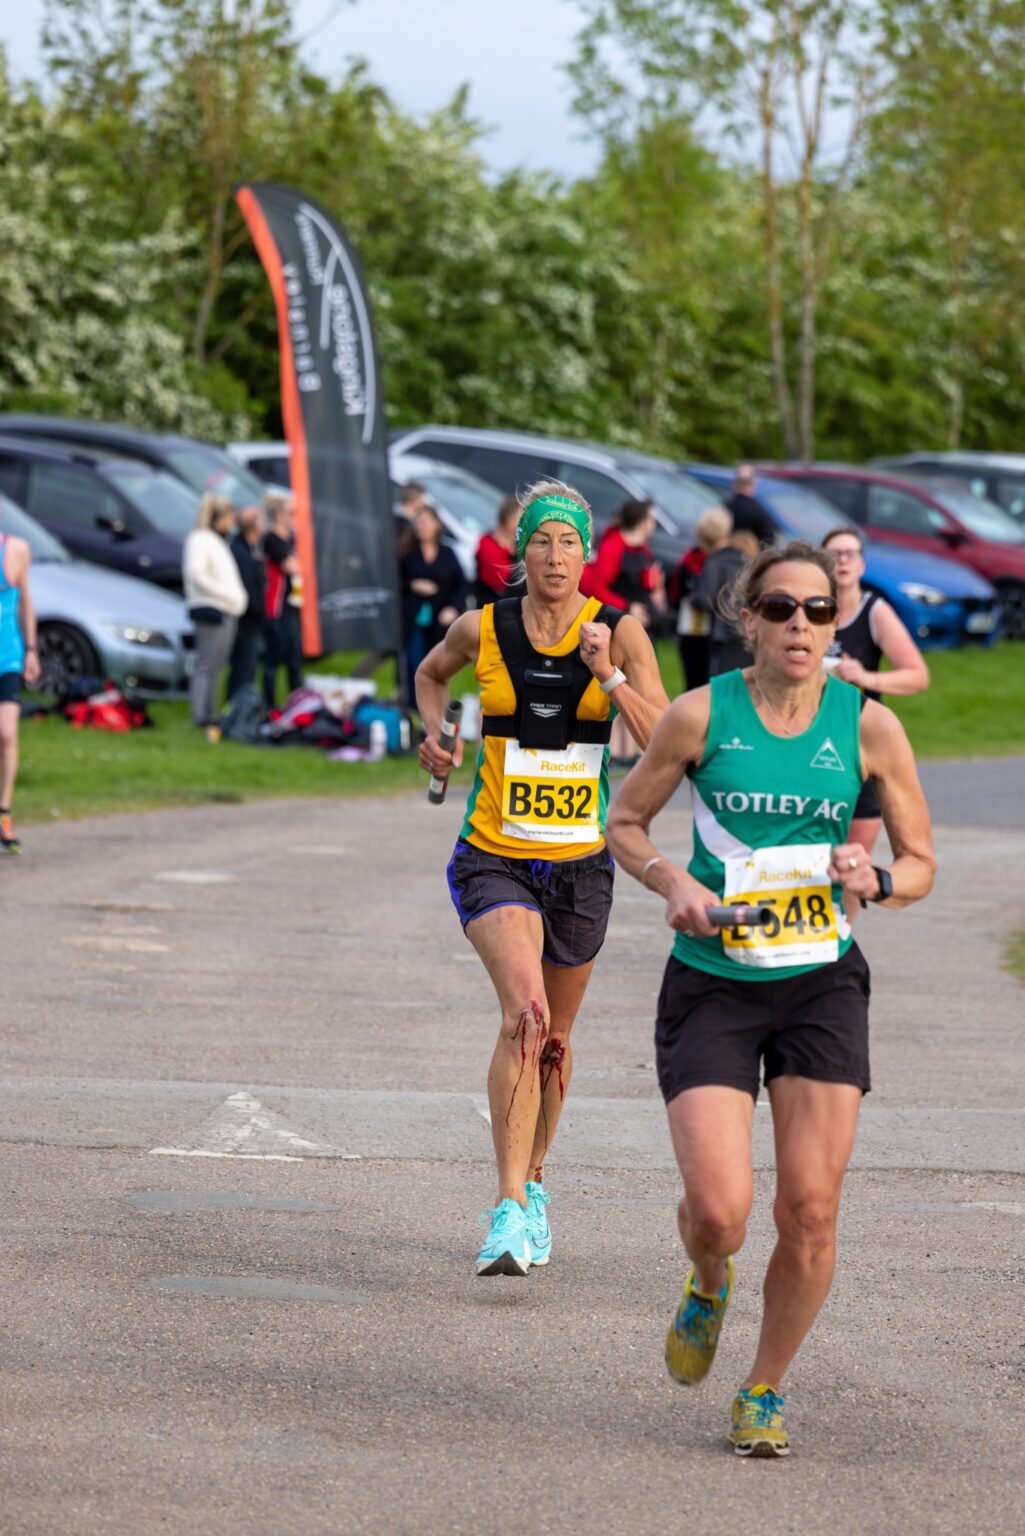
(541, 788)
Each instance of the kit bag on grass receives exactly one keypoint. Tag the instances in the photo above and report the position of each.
(244, 716)
(392, 716)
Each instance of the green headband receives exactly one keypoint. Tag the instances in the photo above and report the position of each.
(553, 509)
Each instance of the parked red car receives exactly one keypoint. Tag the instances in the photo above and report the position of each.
(933, 514)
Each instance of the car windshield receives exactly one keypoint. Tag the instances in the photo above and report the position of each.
(167, 505)
(804, 512)
(678, 496)
(983, 518)
(473, 504)
(208, 469)
(43, 545)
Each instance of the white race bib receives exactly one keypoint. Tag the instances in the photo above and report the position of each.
(552, 797)
(793, 881)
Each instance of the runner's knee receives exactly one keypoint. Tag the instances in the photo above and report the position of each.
(715, 1222)
(806, 1220)
(527, 1024)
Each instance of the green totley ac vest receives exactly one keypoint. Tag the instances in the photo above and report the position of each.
(767, 812)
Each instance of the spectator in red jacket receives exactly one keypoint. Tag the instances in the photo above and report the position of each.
(496, 554)
(624, 572)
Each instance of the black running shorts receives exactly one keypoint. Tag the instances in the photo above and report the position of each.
(715, 1030)
(572, 896)
(10, 687)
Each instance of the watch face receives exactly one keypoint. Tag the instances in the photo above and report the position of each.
(885, 883)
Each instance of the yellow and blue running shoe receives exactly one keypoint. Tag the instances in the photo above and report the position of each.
(506, 1249)
(539, 1233)
(694, 1331)
(757, 1427)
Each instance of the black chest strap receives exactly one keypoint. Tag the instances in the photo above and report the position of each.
(518, 655)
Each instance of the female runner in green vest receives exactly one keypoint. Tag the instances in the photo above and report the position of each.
(776, 755)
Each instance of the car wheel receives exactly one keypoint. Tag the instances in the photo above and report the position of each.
(1012, 597)
(65, 656)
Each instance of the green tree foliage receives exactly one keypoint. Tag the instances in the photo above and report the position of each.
(750, 270)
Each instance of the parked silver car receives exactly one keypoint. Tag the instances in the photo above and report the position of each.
(98, 622)
(466, 504)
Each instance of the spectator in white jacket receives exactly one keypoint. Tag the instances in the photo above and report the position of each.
(215, 598)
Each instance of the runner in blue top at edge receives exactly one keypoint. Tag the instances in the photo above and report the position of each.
(19, 664)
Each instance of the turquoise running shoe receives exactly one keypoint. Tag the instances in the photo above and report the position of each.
(539, 1233)
(506, 1249)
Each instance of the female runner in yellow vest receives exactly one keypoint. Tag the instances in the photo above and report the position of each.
(530, 877)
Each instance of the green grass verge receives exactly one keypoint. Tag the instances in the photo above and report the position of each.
(975, 707)
(1014, 955)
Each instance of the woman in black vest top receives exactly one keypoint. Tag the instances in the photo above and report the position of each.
(867, 631)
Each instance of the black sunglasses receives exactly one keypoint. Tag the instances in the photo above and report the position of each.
(780, 607)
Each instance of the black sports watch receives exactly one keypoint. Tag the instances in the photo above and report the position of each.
(885, 883)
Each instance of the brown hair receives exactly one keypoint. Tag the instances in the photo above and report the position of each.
(409, 541)
(749, 583)
(850, 530)
(509, 510)
(632, 514)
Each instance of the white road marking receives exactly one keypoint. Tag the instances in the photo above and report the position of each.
(196, 876)
(242, 1128)
(241, 1157)
(110, 944)
(131, 906)
(483, 1109)
(956, 1207)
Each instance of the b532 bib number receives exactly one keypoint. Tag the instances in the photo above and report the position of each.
(541, 802)
(551, 796)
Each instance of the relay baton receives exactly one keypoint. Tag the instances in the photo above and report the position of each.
(739, 917)
(447, 739)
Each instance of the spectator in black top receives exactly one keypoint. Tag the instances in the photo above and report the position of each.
(726, 647)
(247, 547)
(283, 599)
(749, 516)
(432, 585)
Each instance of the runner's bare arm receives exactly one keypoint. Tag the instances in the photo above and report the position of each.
(678, 740)
(908, 674)
(641, 700)
(460, 648)
(886, 754)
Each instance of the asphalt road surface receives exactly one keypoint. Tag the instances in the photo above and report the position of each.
(244, 1149)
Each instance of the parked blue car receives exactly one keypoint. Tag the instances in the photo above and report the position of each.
(942, 602)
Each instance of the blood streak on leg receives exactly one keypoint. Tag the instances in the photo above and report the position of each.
(552, 1058)
(534, 1015)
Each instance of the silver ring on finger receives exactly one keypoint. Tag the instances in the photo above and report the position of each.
(688, 933)
(852, 863)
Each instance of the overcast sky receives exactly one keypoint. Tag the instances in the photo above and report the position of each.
(421, 51)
